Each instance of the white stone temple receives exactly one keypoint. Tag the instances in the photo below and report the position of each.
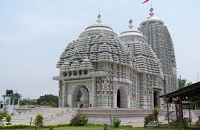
(127, 71)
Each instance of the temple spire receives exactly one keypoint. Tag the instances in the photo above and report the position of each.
(99, 19)
(130, 24)
(151, 12)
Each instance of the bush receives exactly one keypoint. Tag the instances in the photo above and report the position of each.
(178, 124)
(155, 113)
(16, 126)
(198, 124)
(116, 122)
(1, 117)
(22, 126)
(79, 120)
(152, 117)
(8, 118)
(147, 119)
(38, 120)
(3, 113)
(51, 128)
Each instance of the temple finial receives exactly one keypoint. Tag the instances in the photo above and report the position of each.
(151, 12)
(130, 24)
(99, 18)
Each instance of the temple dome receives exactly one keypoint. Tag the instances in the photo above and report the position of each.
(152, 18)
(96, 44)
(136, 43)
(94, 29)
(98, 26)
(131, 31)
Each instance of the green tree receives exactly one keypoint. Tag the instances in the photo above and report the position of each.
(181, 83)
(16, 96)
(28, 102)
(189, 83)
(48, 100)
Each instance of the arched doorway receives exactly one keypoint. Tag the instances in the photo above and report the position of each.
(156, 99)
(80, 97)
(122, 97)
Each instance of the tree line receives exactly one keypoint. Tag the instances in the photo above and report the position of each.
(45, 100)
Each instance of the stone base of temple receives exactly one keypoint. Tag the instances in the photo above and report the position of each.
(95, 115)
(127, 116)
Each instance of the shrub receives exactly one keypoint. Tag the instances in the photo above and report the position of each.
(2, 113)
(178, 124)
(147, 119)
(16, 126)
(79, 120)
(1, 117)
(38, 120)
(8, 118)
(155, 113)
(198, 124)
(51, 128)
(116, 122)
(152, 117)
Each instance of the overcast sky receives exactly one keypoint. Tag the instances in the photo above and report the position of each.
(33, 34)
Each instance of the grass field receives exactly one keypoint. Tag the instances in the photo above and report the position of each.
(98, 128)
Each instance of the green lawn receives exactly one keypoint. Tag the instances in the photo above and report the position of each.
(98, 128)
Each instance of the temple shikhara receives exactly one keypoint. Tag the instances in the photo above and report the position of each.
(129, 70)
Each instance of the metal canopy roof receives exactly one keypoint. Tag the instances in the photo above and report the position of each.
(191, 92)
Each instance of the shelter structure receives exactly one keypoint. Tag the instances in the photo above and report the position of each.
(187, 94)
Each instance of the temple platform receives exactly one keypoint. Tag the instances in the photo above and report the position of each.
(95, 115)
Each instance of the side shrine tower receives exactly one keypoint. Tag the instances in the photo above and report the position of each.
(161, 42)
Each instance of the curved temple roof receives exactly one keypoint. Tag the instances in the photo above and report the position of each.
(97, 43)
(136, 43)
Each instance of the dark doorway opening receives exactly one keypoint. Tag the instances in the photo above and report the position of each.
(155, 99)
(118, 99)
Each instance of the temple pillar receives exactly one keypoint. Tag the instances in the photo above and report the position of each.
(69, 97)
(93, 93)
(64, 96)
(128, 101)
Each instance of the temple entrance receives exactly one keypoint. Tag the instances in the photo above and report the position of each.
(156, 98)
(118, 99)
(122, 97)
(80, 97)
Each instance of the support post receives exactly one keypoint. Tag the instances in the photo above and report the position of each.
(167, 111)
(176, 107)
(179, 110)
(189, 112)
(31, 121)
